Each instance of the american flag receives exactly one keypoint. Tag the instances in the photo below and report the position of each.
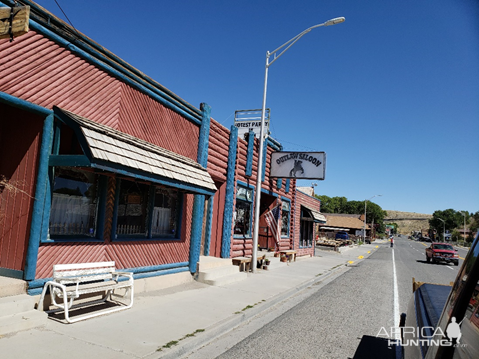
(272, 219)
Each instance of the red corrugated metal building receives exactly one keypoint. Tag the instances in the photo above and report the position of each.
(99, 162)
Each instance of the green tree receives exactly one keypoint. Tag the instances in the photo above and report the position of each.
(474, 222)
(452, 220)
(332, 204)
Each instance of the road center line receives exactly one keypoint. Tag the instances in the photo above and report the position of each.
(396, 298)
(450, 267)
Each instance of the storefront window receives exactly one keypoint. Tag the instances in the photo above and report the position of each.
(74, 204)
(285, 213)
(165, 213)
(132, 209)
(146, 211)
(243, 211)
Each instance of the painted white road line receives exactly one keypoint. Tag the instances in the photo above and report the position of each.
(450, 267)
(396, 298)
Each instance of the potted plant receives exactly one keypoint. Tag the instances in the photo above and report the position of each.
(267, 261)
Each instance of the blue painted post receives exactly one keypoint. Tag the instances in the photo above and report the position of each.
(199, 201)
(249, 158)
(209, 221)
(38, 202)
(265, 154)
(230, 191)
(196, 228)
(203, 141)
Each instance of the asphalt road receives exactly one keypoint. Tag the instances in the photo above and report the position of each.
(329, 320)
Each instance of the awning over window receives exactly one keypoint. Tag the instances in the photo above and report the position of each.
(118, 152)
(316, 216)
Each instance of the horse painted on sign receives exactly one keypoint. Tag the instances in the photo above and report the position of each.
(297, 167)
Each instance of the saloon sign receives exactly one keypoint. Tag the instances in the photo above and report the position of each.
(300, 165)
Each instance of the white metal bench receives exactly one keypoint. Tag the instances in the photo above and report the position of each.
(70, 281)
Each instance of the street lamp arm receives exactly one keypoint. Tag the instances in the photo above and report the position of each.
(291, 42)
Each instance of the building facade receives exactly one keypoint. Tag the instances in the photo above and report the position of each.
(100, 162)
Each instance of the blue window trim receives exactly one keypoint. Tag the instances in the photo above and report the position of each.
(271, 193)
(289, 216)
(100, 220)
(279, 183)
(248, 186)
(148, 237)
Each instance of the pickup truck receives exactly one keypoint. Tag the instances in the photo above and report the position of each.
(442, 252)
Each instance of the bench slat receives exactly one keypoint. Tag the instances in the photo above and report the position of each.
(83, 265)
(81, 272)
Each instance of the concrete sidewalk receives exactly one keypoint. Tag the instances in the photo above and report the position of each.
(173, 322)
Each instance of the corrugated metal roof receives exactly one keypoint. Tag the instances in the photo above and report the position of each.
(120, 148)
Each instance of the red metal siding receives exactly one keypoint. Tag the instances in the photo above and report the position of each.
(19, 144)
(38, 70)
(143, 117)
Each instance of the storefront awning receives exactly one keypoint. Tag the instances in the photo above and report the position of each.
(316, 216)
(118, 152)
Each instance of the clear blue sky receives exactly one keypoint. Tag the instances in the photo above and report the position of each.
(391, 95)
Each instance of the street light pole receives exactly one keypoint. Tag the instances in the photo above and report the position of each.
(444, 229)
(364, 230)
(287, 44)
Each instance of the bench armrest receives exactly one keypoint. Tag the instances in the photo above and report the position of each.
(128, 275)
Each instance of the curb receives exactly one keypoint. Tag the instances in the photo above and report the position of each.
(228, 324)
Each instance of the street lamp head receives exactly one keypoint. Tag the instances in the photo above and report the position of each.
(336, 20)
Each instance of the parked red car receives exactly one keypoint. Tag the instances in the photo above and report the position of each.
(442, 252)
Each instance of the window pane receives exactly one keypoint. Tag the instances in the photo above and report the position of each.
(244, 193)
(74, 203)
(165, 213)
(285, 206)
(243, 218)
(132, 209)
(284, 223)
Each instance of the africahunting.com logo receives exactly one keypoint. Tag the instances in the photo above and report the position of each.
(416, 336)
